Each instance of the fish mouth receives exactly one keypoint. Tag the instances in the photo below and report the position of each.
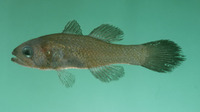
(16, 59)
(14, 54)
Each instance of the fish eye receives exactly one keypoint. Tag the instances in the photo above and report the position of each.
(27, 51)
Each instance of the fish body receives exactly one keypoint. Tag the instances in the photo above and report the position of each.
(96, 52)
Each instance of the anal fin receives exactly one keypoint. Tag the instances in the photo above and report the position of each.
(108, 73)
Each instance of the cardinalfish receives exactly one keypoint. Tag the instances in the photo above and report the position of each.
(96, 52)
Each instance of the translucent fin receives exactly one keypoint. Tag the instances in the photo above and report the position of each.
(163, 56)
(66, 78)
(108, 73)
(72, 27)
(107, 33)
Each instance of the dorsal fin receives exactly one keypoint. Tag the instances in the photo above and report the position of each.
(72, 27)
(107, 33)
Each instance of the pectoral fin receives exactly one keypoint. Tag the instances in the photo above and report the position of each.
(108, 73)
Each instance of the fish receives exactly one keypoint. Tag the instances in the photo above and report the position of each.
(96, 52)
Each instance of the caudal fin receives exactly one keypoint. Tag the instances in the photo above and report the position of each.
(162, 56)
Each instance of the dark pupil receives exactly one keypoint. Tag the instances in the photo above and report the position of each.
(27, 51)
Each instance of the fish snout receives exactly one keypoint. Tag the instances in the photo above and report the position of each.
(14, 52)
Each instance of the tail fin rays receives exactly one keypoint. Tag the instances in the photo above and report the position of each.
(163, 56)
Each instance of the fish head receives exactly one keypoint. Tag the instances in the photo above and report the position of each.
(30, 54)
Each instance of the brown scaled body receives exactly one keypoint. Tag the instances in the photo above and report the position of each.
(77, 51)
(96, 52)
